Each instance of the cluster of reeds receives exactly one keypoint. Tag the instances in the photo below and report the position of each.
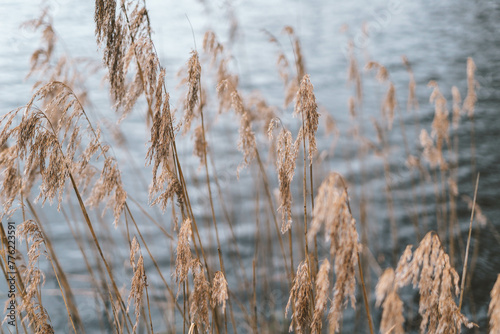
(52, 150)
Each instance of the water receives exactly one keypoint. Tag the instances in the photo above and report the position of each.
(436, 37)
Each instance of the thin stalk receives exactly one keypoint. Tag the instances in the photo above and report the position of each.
(365, 296)
(149, 310)
(464, 272)
(172, 295)
(99, 249)
(62, 295)
(61, 278)
(270, 201)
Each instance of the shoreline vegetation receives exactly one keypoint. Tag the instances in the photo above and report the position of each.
(310, 240)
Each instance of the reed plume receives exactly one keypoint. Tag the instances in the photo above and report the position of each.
(471, 98)
(33, 279)
(200, 297)
(246, 142)
(389, 103)
(307, 107)
(193, 82)
(412, 103)
(139, 281)
(332, 211)
(164, 185)
(387, 296)
(299, 59)
(200, 145)
(428, 267)
(286, 151)
(184, 258)
(433, 156)
(126, 34)
(440, 124)
(219, 291)
(300, 300)
(321, 296)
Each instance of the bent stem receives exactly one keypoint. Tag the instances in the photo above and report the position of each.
(365, 296)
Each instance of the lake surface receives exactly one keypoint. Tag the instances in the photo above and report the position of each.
(437, 38)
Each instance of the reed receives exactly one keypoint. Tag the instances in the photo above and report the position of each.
(53, 152)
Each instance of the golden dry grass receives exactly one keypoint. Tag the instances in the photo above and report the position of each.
(52, 143)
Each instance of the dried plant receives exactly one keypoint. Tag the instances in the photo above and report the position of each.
(430, 153)
(412, 96)
(478, 213)
(165, 183)
(200, 144)
(246, 141)
(331, 210)
(11, 183)
(321, 296)
(109, 182)
(54, 135)
(440, 124)
(428, 267)
(183, 254)
(306, 107)
(471, 98)
(299, 59)
(200, 297)
(126, 33)
(286, 151)
(389, 104)
(219, 291)
(51, 140)
(193, 82)
(387, 296)
(457, 109)
(300, 300)
(33, 279)
(139, 281)
(494, 308)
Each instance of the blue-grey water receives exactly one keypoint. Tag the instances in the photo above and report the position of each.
(437, 38)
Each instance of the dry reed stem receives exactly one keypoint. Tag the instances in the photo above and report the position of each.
(156, 264)
(464, 272)
(61, 277)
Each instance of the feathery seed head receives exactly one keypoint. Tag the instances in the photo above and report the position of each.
(306, 107)
(322, 286)
(219, 291)
(301, 297)
(183, 254)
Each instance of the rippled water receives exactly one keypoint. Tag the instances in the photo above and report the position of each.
(436, 37)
